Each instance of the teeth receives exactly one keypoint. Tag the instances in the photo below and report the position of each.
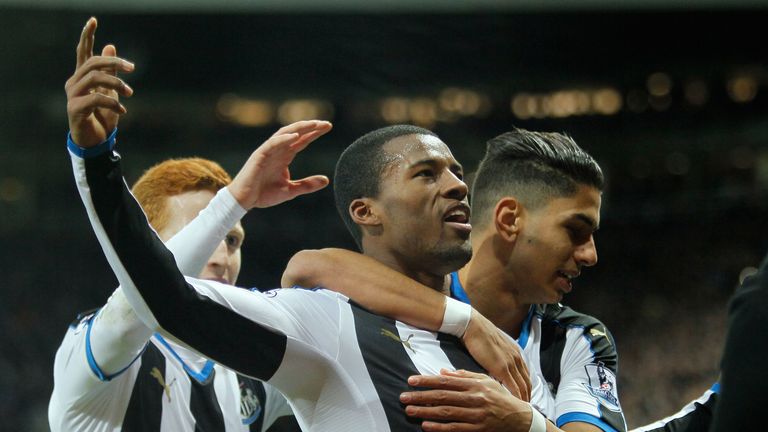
(458, 214)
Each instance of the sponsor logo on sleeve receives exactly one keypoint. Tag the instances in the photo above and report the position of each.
(602, 385)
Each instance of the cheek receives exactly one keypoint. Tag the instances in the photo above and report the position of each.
(234, 265)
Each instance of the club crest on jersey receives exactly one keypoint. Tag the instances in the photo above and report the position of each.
(250, 406)
(602, 385)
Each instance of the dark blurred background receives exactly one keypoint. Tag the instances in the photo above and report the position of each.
(671, 100)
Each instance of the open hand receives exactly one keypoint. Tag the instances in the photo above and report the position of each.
(498, 354)
(265, 179)
(465, 401)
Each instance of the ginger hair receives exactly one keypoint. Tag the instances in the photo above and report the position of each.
(173, 177)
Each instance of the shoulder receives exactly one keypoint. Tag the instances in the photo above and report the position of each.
(575, 324)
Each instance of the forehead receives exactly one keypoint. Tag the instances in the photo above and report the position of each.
(408, 150)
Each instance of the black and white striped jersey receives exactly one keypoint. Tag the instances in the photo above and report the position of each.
(341, 367)
(695, 416)
(573, 364)
(111, 373)
(166, 388)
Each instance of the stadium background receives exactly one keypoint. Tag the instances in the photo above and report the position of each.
(671, 100)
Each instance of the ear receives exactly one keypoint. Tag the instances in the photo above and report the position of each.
(507, 218)
(362, 212)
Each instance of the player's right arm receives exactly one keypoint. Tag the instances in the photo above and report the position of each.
(103, 345)
(392, 294)
(246, 331)
(223, 323)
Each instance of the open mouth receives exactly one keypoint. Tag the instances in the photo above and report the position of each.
(458, 217)
(567, 280)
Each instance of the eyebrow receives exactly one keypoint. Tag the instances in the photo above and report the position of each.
(455, 166)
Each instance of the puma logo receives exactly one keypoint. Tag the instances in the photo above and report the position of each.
(156, 374)
(595, 332)
(406, 343)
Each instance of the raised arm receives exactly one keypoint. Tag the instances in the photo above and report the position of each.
(115, 335)
(389, 293)
(205, 314)
(139, 259)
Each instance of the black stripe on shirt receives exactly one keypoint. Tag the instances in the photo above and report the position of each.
(551, 352)
(457, 354)
(212, 329)
(204, 405)
(145, 409)
(389, 366)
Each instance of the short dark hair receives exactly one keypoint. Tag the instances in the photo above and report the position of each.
(359, 169)
(534, 167)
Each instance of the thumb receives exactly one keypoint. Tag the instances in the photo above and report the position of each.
(308, 185)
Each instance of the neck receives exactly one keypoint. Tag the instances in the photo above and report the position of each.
(438, 282)
(491, 292)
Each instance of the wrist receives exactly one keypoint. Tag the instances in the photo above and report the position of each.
(88, 152)
(456, 317)
(538, 422)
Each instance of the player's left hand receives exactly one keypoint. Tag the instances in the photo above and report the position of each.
(265, 178)
(498, 354)
(465, 401)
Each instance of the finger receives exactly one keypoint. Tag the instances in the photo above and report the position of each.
(511, 384)
(303, 126)
(440, 382)
(429, 426)
(104, 64)
(443, 397)
(307, 138)
(308, 185)
(85, 105)
(463, 373)
(110, 51)
(524, 379)
(98, 79)
(85, 45)
(445, 413)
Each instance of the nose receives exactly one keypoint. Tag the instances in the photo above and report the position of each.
(586, 254)
(454, 187)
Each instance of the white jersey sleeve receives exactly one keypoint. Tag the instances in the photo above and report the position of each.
(101, 347)
(243, 330)
(587, 391)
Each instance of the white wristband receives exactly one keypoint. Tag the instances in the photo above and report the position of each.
(456, 317)
(538, 422)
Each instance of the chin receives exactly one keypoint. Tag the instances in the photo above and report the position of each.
(454, 258)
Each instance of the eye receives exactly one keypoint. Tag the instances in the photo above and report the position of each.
(425, 173)
(233, 241)
(578, 234)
